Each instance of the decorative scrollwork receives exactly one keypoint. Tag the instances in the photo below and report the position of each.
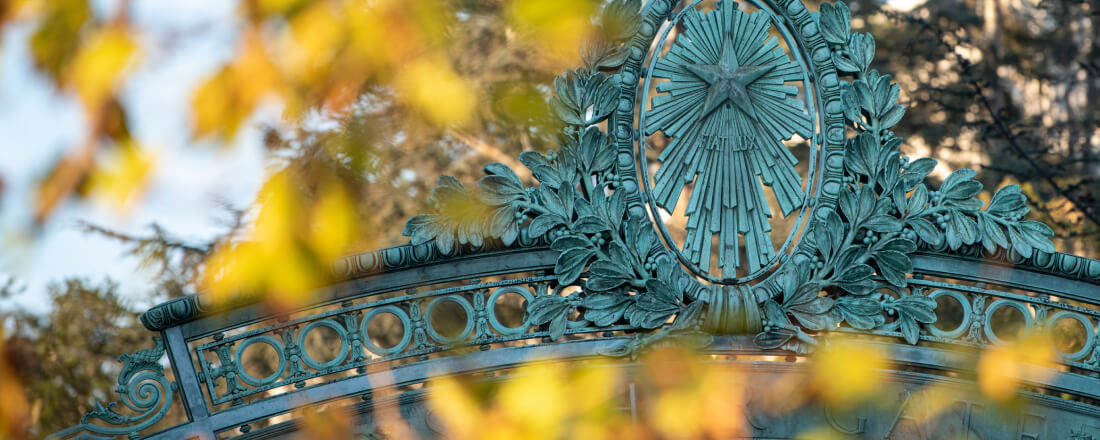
(143, 389)
(589, 210)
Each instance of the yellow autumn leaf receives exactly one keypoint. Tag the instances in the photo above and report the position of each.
(14, 410)
(122, 176)
(100, 65)
(1002, 369)
(233, 268)
(548, 384)
(214, 109)
(333, 223)
(847, 371)
(277, 7)
(278, 210)
(227, 97)
(456, 407)
(443, 96)
(312, 43)
(558, 27)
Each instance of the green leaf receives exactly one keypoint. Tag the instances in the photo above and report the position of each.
(910, 330)
(918, 307)
(845, 63)
(571, 263)
(921, 166)
(849, 204)
(862, 48)
(846, 258)
(835, 22)
(860, 312)
(545, 308)
(892, 116)
(609, 269)
(1019, 243)
(605, 300)
(893, 266)
(558, 326)
(805, 293)
(993, 236)
(816, 322)
(532, 159)
(957, 177)
(917, 201)
(965, 227)
(589, 225)
(544, 223)
(773, 339)
(566, 242)
(856, 273)
(883, 223)
(902, 245)
(689, 316)
(852, 109)
(663, 292)
(1008, 201)
(857, 287)
(598, 283)
(927, 232)
(548, 175)
(603, 317)
(817, 306)
(655, 319)
(620, 18)
(963, 190)
(1037, 235)
(866, 99)
(775, 314)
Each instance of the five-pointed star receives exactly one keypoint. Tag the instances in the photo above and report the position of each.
(727, 80)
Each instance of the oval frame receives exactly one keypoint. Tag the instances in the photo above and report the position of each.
(792, 18)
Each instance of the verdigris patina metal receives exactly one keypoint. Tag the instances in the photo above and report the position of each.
(873, 250)
(727, 107)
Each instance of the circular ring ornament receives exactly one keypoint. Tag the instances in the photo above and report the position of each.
(406, 328)
(279, 370)
(1090, 334)
(344, 348)
(964, 325)
(462, 302)
(495, 322)
(730, 94)
(1029, 321)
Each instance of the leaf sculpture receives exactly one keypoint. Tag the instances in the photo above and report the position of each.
(883, 211)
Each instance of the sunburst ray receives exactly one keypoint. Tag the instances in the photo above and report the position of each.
(727, 107)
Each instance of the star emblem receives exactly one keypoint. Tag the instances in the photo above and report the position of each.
(728, 80)
(729, 104)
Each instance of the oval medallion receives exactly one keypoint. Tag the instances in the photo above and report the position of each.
(728, 145)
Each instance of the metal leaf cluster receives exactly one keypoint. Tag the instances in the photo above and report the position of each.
(613, 269)
(886, 212)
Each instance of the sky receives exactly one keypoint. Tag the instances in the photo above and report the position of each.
(182, 43)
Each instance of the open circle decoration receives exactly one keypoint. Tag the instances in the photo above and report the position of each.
(495, 323)
(340, 331)
(406, 329)
(466, 307)
(964, 323)
(1090, 334)
(279, 370)
(1029, 321)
